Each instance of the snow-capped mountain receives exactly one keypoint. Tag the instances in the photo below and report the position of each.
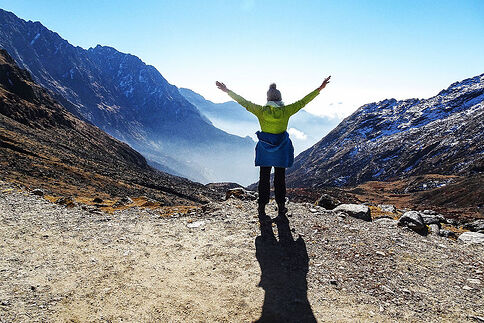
(391, 139)
(129, 100)
(304, 128)
(44, 145)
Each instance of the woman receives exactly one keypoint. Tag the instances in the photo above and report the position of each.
(274, 148)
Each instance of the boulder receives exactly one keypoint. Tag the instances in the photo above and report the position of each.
(358, 211)
(477, 226)
(472, 238)
(414, 221)
(241, 194)
(433, 218)
(328, 202)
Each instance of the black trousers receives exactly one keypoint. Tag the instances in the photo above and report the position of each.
(265, 185)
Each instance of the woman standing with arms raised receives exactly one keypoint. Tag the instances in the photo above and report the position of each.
(274, 148)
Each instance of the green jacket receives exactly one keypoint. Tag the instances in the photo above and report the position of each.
(273, 119)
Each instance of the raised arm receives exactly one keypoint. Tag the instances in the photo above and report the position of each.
(296, 106)
(251, 107)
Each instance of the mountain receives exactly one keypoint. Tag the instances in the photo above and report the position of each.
(304, 128)
(129, 100)
(393, 139)
(44, 145)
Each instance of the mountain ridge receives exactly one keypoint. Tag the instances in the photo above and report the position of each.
(389, 139)
(42, 145)
(127, 98)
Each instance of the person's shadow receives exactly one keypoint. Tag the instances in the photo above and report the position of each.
(284, 265)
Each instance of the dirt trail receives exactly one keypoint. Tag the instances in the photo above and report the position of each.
(59, 264)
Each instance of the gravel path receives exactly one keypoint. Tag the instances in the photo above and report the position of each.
(61, 264)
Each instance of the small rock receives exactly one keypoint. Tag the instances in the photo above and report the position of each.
(385, 221)
(341, 215)
(447, 233)
(38, 192)
(67, 201)
(472, 237)
(474, 281)
(387, 289)
(333, 282)
(150, 202)
(380, 253)
(313, 210)
(123, 201)
(434, 229)
(97, 200)
(387, 208)
(358, 211)
(241, 194)
(414, 221)
(196, 224)
(328, 202)
(453, 222)
(467, 287)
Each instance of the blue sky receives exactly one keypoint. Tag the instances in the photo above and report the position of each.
(373, 49)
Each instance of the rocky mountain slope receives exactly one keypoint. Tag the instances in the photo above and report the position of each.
(42, 145)
(305, 128)
(129, 100)
(396, 139)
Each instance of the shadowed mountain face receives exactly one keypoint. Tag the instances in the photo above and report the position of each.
(44, 145)
(395, 139)
(129, 100)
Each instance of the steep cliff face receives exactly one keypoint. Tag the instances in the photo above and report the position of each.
(44, 145)
(393, 139)
(128, 99)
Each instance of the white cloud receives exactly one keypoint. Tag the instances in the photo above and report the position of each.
(297, 134)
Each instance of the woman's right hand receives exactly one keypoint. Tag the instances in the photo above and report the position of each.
(221, 86)
(325, 82)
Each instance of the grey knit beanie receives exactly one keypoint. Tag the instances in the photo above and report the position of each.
(273, 94)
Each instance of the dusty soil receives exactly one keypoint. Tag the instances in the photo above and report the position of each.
(69, 264)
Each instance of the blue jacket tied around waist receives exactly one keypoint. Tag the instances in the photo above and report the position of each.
(274, 150)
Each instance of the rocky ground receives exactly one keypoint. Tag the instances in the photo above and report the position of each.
(212, 264)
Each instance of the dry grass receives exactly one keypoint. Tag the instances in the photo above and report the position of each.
(108, 205)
